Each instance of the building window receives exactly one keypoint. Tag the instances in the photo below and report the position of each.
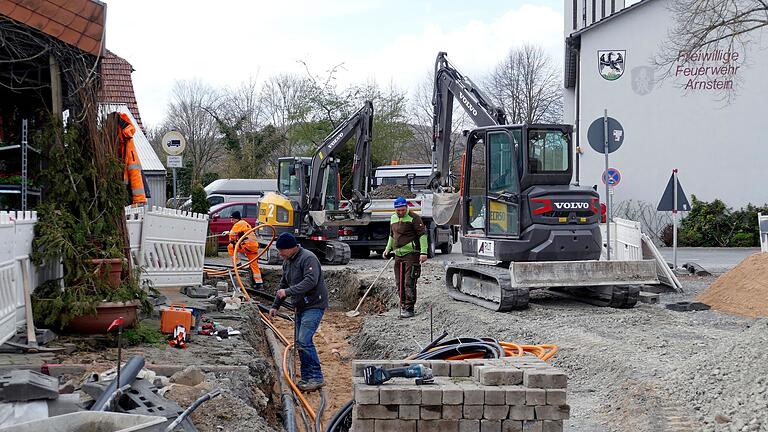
(603, 16)
(575, 13)
(594, 10)
(613, 6)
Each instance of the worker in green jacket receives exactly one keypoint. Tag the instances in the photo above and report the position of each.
(405, 230)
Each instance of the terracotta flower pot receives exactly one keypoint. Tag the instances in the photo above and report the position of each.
(113, 267)
(106, 312)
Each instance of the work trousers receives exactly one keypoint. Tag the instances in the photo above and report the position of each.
(251, 251)
(407, 272)
(307, 322)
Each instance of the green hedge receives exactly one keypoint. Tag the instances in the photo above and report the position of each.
(713, 224)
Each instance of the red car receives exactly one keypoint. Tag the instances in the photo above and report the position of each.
(221, 218)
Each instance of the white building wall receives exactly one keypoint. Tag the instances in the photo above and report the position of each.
(720, 148)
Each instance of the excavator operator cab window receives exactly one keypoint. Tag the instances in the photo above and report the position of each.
(476, 187)
(288, 179)
(547, 151)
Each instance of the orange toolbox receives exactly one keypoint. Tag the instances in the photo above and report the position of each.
(173, 316)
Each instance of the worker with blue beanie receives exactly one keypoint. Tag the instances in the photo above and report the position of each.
(406, 229)
(303, 281)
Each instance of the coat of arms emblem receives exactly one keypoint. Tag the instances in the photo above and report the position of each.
(610, 63)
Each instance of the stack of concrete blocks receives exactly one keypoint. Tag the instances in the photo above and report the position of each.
(511, 394)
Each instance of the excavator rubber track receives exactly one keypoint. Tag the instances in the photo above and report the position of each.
(336, 253)
(485, 285)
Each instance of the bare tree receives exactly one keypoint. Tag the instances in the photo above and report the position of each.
(527, 86)
(189, 113)
(284, 101)
(248, 143)
(709, 24)
(711, 30)
(421, 112)
(652, 221)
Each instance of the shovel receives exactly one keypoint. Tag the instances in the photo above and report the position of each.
(356, 312)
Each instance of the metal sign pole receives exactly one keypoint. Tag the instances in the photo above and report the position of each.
(674, 219)
(175, 196)
(607, 193)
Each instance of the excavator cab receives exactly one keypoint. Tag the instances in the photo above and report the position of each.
(491, 190)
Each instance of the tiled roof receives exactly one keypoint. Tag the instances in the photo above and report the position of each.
(79, 23)
(117, 85)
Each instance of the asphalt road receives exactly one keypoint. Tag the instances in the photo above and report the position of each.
(712, 259)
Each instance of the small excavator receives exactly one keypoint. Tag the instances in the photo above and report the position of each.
(523, 223)
(307, 202)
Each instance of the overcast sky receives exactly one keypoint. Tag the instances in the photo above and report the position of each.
(225, 42)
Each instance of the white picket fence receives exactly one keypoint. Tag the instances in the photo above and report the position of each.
(628, 243)
(168, 245)
(762, 221)
(16, 233)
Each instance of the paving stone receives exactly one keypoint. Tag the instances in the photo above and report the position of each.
(546, 379)
(515, 395)
(532, 426)
(453, 395)
(366, 395)
(377, 411)
(399, 395)
(497, 376)
(495, 396)
(361, 425)
(441, 368)
(453, 412)
(438, 426)
(552, 426)
(512, 426)
(431, 412)
(460, 368)
(473, 395)
(469, 426)
(490, 425)
(495, 412)
(395, 426)
(521, 412)
(410, 412)
(534, 396)
(550, 412)
(556, 397)
(473, 412)
(431, 395)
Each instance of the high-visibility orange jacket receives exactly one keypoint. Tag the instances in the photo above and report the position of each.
(132, 176)
(239, 229)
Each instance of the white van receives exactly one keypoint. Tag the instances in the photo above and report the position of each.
(234, 190)
(240, 190)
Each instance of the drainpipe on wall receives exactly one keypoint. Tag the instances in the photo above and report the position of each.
(577, 119)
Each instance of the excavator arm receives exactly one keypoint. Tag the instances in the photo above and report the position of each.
(450, 84)
(360, 123)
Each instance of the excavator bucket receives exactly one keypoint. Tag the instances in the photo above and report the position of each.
(564, 274)
(445, 208)
(339, 217)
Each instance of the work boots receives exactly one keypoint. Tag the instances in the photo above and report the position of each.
(310, 386)
(406, 314)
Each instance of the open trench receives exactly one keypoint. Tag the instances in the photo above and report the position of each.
(345, 286)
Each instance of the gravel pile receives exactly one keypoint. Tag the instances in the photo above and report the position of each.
(643, 369)
(392, 191)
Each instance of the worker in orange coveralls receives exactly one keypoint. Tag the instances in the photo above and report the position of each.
(249, 246)
(132, 175)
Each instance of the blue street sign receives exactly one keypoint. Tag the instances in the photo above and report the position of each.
(613, 176)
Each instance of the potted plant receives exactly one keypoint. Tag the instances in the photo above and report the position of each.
(81, 222)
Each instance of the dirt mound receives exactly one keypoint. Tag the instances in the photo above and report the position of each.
(743, 290)
(392, 191)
